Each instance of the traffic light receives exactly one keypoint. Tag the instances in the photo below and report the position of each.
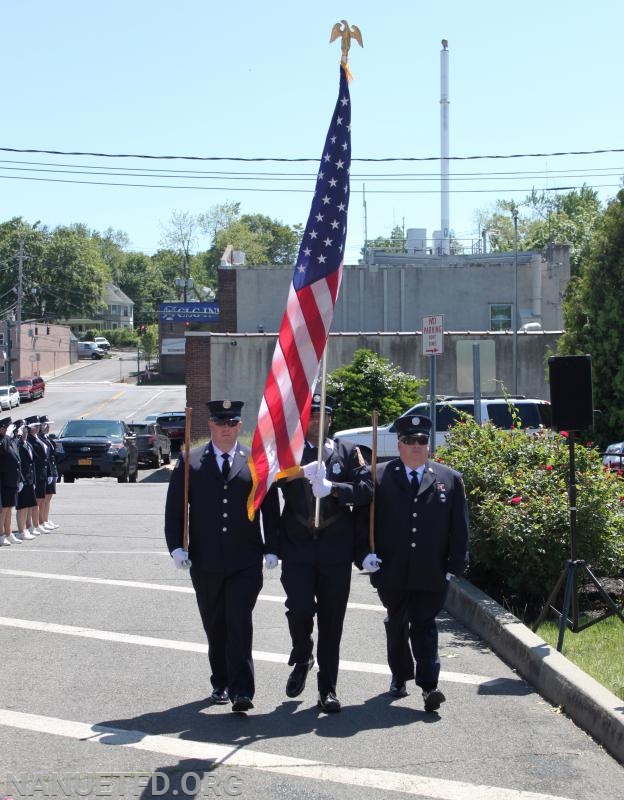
(142, 328)
(187, 325)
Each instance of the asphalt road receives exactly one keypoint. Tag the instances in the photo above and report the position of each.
(105, 679)
(102, 389)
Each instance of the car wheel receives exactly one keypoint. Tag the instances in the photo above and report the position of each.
(69, 478)
(124, 478)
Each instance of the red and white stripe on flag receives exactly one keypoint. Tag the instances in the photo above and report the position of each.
(279, 437)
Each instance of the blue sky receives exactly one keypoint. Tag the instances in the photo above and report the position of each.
(247, 79)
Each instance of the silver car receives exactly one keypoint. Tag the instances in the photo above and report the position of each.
(614, 456)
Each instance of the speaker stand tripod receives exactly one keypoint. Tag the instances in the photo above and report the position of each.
(570, 572)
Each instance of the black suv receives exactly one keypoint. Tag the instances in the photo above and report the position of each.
(97, 448)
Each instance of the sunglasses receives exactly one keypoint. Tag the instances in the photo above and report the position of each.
(226, 423)
(418, 438)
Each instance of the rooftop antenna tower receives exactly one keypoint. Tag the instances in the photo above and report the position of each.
(444, 244)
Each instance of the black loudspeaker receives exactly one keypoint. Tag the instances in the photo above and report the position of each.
(571, 392)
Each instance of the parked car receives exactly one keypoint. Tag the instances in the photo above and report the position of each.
(154, 445)
(173, 423)
(102, 342)
(30, 388)
(97, 448)
(533, 414)
(9, 397)
(90, 350)
(614, 456)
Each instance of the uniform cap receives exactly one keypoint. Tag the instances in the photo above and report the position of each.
(330, 402)
(406, 426)
(225, 409)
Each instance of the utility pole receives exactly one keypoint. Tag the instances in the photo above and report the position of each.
(18, 310)
(516, 318)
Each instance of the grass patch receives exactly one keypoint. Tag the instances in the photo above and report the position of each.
(598, 651)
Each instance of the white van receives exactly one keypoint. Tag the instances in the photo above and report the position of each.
(534, 414)
(89, 350)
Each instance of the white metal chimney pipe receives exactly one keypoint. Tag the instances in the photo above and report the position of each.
(444, 150)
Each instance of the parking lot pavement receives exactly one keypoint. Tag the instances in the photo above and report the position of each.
(106, 679)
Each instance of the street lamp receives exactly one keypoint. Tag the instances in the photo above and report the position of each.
(514, 213)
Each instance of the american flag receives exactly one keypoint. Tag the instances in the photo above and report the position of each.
(279, 437)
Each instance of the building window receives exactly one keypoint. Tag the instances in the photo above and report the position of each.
(500, 316)
(1, 338)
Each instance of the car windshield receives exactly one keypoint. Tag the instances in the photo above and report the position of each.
(92, 427)
(3, 390)
(23, 383)
(171, 419)
(138, 428)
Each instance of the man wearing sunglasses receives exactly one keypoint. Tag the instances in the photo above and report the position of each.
(225, 549)
(421, 541)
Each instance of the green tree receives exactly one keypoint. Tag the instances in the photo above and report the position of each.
(371, 382)
(395, 243)
(593, 313)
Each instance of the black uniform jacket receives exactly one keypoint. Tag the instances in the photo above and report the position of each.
(221, 537)
(50, 455)
(27, 462)
(10, 465)
(418, 542)
(334, 541)
(41, 458)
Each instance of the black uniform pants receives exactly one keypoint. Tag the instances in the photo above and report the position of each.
(321, 589)
(226, 602)
(411, 622)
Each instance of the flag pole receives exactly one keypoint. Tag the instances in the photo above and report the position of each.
(321, 439)
(371, 522)
(187, 450)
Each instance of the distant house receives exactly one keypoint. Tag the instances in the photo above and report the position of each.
(117, 312)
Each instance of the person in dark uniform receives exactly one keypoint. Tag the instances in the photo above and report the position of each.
(11, 479)
(317, 562)
(44, 512)
(26, 499)
(41, 470)
(225, 549)
(421, 541)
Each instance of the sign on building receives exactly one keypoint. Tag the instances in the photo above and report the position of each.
(189, 312)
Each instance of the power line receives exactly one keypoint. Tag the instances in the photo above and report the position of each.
(301, 159)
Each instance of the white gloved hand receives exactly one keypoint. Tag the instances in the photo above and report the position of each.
(270, 560)
(50, 478)
(180, 558)
(321, 487)
(449, 575)
(312, 471)
(20, 486)
(371, 563)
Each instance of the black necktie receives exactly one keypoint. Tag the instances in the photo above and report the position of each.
(225, 469)
(414, 481)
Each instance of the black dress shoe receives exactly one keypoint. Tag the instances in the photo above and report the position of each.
(219, 696)
(433, 699)
(397, 688)
(297, 679)
(329, 703)
(241, 703)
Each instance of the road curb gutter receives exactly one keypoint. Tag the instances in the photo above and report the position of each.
(592, 707)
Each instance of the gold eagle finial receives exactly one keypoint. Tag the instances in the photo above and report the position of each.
(343, 30)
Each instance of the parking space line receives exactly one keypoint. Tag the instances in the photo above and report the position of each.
(201, 647)
(237, 756)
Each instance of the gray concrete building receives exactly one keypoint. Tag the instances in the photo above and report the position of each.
(393, 292)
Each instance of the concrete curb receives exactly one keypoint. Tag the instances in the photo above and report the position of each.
(584, 700)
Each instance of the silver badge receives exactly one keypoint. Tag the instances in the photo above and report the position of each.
(316, 398)
(227, 404)
(336, 469)
(416, 421)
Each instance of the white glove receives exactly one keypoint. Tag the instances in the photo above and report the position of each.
(180, 558)
(449, 575)
(321, 487)
(371, 563)
(313, 470)
(20, 486)
(270, 560)
(50, 479)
